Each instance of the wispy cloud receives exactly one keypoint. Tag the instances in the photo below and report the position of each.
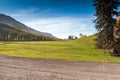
(63, 26)
(24, 12)
(30, 10)
(49, 9)
(46, 10)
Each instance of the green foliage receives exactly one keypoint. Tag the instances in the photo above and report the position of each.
(82, 49)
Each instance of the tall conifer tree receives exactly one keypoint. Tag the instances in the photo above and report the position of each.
(105, 22)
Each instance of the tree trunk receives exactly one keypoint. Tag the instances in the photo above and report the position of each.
(116, 45)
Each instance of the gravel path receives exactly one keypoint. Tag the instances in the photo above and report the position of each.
(13, 68)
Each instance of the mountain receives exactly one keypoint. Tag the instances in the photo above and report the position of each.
(5, 19)
(12, 30)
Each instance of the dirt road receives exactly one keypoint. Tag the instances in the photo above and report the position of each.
(12, 68)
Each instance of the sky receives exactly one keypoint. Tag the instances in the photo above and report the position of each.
(58, 17)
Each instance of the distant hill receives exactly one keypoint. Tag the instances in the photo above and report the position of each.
(13, 30)
(8, 33)
(7, 20)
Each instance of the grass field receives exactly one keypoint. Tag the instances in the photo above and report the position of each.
(82, 49)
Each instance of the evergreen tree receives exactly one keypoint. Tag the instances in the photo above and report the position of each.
(9, 37)
(70, 37)
(105, 22)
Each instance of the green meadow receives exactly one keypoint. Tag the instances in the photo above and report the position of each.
(82, 49)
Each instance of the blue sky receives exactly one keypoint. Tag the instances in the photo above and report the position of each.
(59, 17)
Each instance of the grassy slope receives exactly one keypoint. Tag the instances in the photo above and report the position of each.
(78, 50)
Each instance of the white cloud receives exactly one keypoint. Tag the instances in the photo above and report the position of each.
(61, 27)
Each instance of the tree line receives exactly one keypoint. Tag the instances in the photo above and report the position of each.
(8, 33)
